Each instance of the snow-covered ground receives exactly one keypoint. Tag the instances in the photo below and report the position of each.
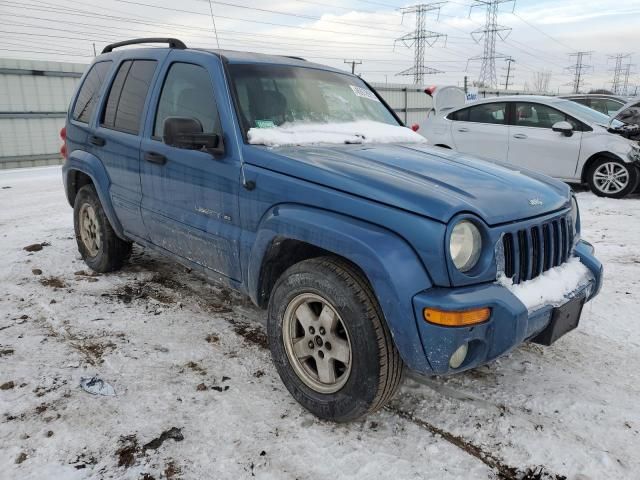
(170, 345)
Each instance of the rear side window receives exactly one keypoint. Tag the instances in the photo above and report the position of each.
(88, 94)
(128, 93)
(459, 116)
(495, 113)
(187, 92)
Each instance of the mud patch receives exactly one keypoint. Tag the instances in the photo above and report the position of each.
(53, 282)
(36, 247)
(5, 352)
(93, 350)
(128, 451)
(140, 291)
(8, 385)
(173, 433)
(251, 333)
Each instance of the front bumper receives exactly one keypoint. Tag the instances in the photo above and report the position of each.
(509, 326)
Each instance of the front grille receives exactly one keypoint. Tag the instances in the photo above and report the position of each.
(531, 251)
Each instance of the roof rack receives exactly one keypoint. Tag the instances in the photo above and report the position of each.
(173, 43)
(295, 58)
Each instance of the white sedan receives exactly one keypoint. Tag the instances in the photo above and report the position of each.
(549, 135)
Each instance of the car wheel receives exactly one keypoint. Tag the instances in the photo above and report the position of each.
(612, 178)
(100, 247)
(329, 341)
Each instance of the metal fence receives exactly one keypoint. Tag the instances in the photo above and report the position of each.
(33, 101)
(34, 96)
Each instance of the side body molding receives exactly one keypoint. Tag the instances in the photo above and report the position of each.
(390, 264)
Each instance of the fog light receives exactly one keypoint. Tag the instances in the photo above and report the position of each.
(459, 355)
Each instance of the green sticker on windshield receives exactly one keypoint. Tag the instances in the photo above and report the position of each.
(265, 124)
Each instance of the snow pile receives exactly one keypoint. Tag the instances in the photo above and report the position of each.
(340, 133)
(552, 287)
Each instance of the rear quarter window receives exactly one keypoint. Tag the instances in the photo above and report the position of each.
(87, 97)
(123, 110)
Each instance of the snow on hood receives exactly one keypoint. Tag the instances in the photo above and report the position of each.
(552, 287)
(336, 133)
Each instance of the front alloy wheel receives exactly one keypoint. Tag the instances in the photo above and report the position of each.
(612, 178)
(317, 343)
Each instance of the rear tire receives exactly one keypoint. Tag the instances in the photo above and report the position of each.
(100, 247)
(612, 178)
(323, 378)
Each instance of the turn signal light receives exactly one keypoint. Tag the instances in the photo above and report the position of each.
(456, 319)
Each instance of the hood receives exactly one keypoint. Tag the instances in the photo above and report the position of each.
(626, 121)
(629, 114)
(428, 181)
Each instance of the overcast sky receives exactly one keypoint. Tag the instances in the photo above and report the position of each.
(543, 34)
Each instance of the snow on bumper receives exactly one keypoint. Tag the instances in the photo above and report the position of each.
(517, 314)
(553, 288)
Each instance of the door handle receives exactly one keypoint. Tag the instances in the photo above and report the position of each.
(520, 135)
(154, 157)
(98, 141)
(463, 130)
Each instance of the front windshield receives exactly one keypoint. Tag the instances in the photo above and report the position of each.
(585, 113)
(629, 114)
(274, 95)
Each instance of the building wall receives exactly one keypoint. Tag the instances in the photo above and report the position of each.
(34, 96)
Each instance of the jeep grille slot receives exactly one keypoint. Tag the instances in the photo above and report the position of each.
(507, 243)
(530, 252)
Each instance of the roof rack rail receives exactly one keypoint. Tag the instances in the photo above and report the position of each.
(295, 58)
(173, 43)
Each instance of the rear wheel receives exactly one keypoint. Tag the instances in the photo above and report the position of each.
(612, 178)
(100, 247)
(329, 341)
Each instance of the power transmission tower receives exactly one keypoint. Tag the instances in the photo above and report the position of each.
(625, 90)
(489, 32)
(578, 69)
(353, 64)
(420, 38)
(509, 61)
(618, 71)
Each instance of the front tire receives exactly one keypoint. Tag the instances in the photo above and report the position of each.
(329, 341)
(100, 247)
(612, 178)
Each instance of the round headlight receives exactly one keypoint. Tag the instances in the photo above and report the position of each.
(575, 215)
(465, 245)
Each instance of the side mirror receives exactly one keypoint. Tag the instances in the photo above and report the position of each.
(563, 127)
(184, 132)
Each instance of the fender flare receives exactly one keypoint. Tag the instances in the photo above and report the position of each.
(90, 165)
(392, 267)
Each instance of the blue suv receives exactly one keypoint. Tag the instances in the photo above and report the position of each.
(297, 185)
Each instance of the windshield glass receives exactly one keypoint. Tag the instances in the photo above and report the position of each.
(585, 113)
(273, 95)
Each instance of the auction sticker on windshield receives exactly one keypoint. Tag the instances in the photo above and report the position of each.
(364, 93)
(265, 124)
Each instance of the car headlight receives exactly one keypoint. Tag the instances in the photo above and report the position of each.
(575, 216)
(465, 245)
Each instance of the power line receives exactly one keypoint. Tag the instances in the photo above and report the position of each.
(489, 32)
(419, 39)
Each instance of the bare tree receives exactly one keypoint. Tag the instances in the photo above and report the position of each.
(540, 81)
